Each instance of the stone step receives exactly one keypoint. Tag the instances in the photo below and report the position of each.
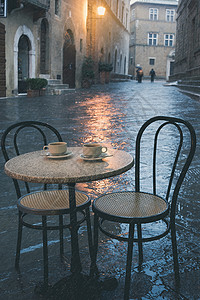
(191, 94)
(61, 91)
(54, 81)
(189, 82)
(58, 86)
(193, 88)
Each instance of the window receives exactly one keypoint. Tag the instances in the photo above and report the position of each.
(152, 39)
(170, 15)
(57, 7)
(122, 14)
(117, 8)
(169, 40)
(2, 8)
(133, 14)
(152, 61)
(153, 14)
(81, 45)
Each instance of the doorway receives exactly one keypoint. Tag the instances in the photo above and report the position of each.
(171, 68)
(69, 59)
(23, 63)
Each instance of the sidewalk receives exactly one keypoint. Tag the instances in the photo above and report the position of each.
(111, 114)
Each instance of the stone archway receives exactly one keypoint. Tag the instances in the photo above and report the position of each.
(69, 59)
(27, 34)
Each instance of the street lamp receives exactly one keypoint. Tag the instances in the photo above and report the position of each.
(101, 10)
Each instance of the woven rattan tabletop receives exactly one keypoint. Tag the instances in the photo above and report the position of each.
(37, 167)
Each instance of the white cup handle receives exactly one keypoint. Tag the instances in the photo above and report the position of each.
(45, 148)
(104, 149)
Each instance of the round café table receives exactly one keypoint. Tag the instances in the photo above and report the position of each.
(37, 167)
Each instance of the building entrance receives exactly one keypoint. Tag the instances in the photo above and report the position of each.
(23, 63)
(69, 60)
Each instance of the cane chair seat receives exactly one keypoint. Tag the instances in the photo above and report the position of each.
(131, 205)
(51, 202)
(161, 167)
(46, 203)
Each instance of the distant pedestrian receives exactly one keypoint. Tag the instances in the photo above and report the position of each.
(139, 73)
(153, 74)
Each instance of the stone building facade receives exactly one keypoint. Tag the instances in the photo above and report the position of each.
(152, 36)
(50, 39)
(110, 35)
(187, 58)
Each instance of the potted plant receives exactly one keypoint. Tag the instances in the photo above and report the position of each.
(36, 86)
(87, 72)
(104, 70)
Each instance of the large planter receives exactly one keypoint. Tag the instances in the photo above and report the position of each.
(102, 77)
(36, 87)
(107, 80)
(42, 92)
(33, 93)
(86, 83)
(87, 72)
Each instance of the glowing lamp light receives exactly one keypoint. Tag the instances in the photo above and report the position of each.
(101, 10)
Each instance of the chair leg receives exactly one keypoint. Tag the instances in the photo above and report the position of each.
(89, 231)
(140, 248)
(61, 235)
(94, 269)
(175, 257)
(19, 239)
(129, 261)
(45, 250)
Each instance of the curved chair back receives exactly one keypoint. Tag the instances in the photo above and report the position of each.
(162, 133)
(25, 137)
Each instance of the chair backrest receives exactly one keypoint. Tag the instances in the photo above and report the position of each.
(25, 137)
(168, 144)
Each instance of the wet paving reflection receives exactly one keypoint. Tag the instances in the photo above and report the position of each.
(111, 115)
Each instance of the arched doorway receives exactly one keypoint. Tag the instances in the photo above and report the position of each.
(23, 63)
(44, 47)
(69, 59)
(26, 33)
(120, 63)
(115, 63)
(125, 65)
(109, 58)
(170, 64)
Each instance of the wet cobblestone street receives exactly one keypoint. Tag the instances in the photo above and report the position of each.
(111, 114)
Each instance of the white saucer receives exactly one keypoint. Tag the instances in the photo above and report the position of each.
(67, 154)
(102, 156)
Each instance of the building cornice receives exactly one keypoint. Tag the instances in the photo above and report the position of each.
(161, 2)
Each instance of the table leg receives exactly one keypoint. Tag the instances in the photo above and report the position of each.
(75, 259)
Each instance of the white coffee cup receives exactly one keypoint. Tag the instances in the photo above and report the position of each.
(93, 150)
(56, 148)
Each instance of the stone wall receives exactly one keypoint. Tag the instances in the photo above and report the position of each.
(187, 59)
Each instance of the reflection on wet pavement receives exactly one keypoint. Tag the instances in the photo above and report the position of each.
(112, 115)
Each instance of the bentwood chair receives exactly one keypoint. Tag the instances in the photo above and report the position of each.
(31, 136)
(168, 145)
